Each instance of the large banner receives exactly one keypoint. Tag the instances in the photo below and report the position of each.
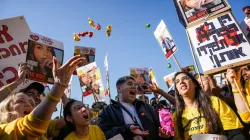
(14, 34)
(220, 44)
(87, 77)
(194, 11)
(165, 40)
(141, 77)
(40, 54)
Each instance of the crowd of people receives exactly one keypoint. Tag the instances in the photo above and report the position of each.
(198, 106)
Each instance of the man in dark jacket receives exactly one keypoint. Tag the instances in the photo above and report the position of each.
(131, 118)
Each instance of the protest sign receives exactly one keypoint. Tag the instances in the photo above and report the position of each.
(220, 44)
(40, 54)
(195, 11)
(14, 34)
(208, 137)
(165, 40)
(189, 69)
(86, 75)
(97, 85)
(142, 79)
(87, 53)
(152, 78)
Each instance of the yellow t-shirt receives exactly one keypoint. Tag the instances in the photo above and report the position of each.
(192, 126)
(95, 133)
(28, 128)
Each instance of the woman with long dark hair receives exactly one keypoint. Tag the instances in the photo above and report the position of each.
(197, 113)
(78, 126)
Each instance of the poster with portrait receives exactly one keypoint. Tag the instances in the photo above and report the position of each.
(87, 53)
(208, 137)
(141, 76)
(39, 56)
(97, 86)
(245, 24)
(165, 40)
(169, 79)
(86, 76)
(152, 78)
(189, 69)
(220, 44)
(194, 11)
(14, 33)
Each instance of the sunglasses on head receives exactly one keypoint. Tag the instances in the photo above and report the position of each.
(181, 79)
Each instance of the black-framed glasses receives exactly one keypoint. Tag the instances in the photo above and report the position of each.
(184, 78)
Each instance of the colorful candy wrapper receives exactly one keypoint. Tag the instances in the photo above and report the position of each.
(91, 23)
(76, 37)
(166, 121)
(98, 27)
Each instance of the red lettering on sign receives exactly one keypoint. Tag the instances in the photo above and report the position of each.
(7, 53)
(5, 34)
(14, 71)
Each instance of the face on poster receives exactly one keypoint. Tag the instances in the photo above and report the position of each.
(169, 79)
(14, 34)
(87, 77)
(165, 40)
(40, 54)
(87, 53)
(141, 77)
(219, 42)
(195, 10)
(245, 24)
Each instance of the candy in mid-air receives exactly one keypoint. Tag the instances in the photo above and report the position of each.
(147, 25)
(107, 34)
(91, 23)
(169, 65)
(98, 27)
(91, 34)
(76, 37)
(108, 30)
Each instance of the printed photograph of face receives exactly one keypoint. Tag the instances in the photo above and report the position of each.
(141, 82)
(193, 7)
(168, 44)
(89, 82)
(41, 56)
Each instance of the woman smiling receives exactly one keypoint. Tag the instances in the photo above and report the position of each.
(200, 113)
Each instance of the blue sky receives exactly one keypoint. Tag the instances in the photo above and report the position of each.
(130, 44)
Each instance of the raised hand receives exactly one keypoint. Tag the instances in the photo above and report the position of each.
(63, 73)
(154, 88)
(136, 130)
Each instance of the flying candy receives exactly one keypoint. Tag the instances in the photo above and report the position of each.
(91, 34)
(147, 25)
(91, 23)
(76, 37)
(83, 34)
(98, 27)
(108, 30)
(169, 65)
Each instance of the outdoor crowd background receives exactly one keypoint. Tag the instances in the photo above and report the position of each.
(130, 43)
